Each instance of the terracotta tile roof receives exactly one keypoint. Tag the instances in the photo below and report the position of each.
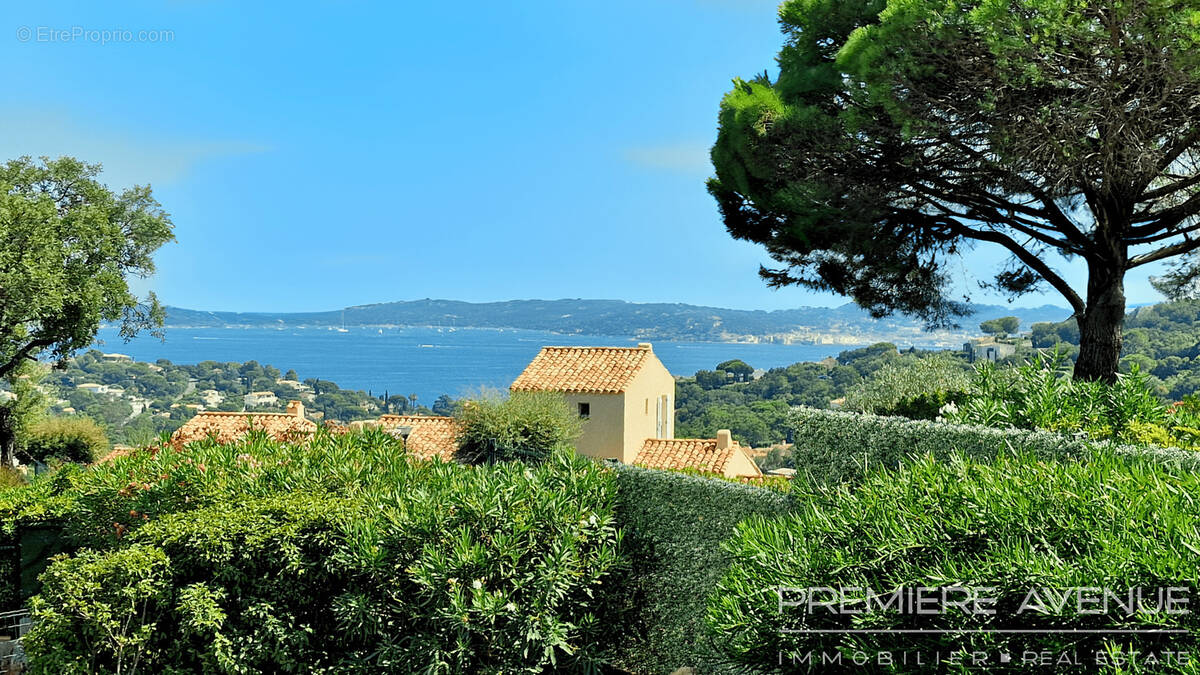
(117, 452)
(701, 454)
(431, 436)
(595, 370)
(231, 426)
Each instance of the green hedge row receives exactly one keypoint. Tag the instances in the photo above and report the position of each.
(837, 446)
(673, 526)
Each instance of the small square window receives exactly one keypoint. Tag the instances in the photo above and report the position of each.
(585, 410)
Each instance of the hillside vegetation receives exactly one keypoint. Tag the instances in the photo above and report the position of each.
(667, 321)
(1163, 340)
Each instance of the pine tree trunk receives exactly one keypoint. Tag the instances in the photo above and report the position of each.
(1100, 327)
(8, 438)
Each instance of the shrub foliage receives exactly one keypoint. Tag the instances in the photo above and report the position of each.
(1009, 526)
(335, 555)
(66, 439)
(839, 446)
(916, 388)
(1042, 394)
(525, 426)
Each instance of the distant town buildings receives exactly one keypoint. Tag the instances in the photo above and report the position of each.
(293, 384)
(259, 398)
(987, 349)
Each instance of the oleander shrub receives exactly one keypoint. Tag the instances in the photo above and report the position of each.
(838, 446)
(525, 426)
(673, 525)
(339, 554)
(1001, 528)
(1042, 394)
(66, 439)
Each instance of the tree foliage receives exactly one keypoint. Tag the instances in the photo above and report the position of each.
(68, 247)
(1001, 327)
(26, 405)
(899, 134)
(66, 439)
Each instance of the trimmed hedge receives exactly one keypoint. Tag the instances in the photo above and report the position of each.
(673, 526)
(837, 446)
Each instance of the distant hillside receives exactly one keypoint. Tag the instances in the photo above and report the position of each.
(1163, 340)
(616, 317)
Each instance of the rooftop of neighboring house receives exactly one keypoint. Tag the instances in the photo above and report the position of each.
(584, 370)
(431, 435)
(231, 426)
(717, 455)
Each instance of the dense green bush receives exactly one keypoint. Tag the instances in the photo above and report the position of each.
(912, 387)
(673, 525)
(525, 426)
(337, 555)
(66, 439)
(835, 446)
(101, 613)
(1004, 527)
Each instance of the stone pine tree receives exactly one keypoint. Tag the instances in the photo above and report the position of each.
(68, 248)
(900, 134)
(1001, 327)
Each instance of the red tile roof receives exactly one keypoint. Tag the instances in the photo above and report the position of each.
(231, 426)
(701, 454)
(431, 436)
(593, 370)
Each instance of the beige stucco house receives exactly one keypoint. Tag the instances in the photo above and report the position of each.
(624, 395)
(626, 399)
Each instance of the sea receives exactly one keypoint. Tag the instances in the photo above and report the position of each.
(426, 361)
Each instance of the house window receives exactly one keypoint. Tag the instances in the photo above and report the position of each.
(585, 410)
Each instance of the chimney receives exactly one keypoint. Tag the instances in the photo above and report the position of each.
(295, 409)
(724, 439)
(645, 345)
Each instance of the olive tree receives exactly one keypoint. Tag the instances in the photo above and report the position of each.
(68, 247)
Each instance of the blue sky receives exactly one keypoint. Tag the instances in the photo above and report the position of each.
(320, 154)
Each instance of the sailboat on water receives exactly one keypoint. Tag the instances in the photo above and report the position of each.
(343, 328)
